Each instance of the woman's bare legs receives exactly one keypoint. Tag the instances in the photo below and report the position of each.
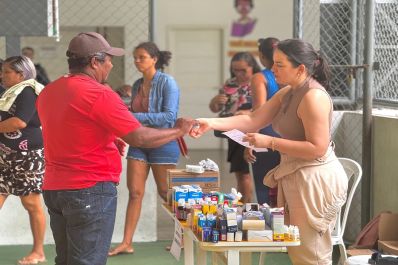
(137, 174)
(245, 186)
(160, 175)
(32, 203)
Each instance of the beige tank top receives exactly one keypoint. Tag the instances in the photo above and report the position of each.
(286, 122)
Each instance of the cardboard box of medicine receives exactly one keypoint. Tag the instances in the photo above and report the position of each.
(278, 221)
(194, 192)
(208, 180)
(179, 193)
(259, 235)
(275, 218)
(190, 195)
(208, 190)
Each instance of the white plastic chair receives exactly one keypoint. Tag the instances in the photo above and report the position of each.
(354, 174)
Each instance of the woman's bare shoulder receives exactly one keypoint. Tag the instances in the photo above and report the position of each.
(283, 91)
(258, 77)
(316, 98)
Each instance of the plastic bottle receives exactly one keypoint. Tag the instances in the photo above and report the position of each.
(296, 234)
(181, 215)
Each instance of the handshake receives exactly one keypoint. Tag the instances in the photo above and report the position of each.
(147, 137)
(195, 128)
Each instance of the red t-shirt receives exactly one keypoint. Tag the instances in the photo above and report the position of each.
(80, 119)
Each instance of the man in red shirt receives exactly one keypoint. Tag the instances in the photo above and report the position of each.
(81, 119)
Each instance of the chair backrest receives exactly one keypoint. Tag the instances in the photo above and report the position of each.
(354, 174)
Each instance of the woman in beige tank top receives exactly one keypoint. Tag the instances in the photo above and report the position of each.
(312, 183)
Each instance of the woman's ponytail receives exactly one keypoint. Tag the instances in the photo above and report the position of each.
(300, 52)
(321, 70)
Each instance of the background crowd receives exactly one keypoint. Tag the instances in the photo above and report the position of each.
(79, 124)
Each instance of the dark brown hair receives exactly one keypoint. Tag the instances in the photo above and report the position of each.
(250, 2)
(247, 57)
(77, 64)
(163, 57)
(300, 52)
(266, 47)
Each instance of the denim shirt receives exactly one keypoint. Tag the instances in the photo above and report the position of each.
(163, 102)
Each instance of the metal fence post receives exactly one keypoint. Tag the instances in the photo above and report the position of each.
(367, 114)
(298, 19)
(151, 20)
(13, 46)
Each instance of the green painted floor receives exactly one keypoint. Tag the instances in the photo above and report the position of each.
(145, 254)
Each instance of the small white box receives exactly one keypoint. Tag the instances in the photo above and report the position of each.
(232, 222)
(194, 169)
(259, 235)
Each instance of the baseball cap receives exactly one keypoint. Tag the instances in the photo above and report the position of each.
(89, 43)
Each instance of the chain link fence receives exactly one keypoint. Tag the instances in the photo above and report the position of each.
(124, 23)
(337, 29)
(340, 33)
(334, 28)
(386, 51)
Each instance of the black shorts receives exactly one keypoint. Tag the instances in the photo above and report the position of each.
(235, 157)
(21, 173)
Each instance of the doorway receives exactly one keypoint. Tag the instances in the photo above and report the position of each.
(197, 66)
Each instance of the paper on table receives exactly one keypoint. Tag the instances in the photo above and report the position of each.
(177, 244)
(237, 136)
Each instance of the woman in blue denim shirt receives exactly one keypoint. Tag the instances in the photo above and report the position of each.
(155, 100)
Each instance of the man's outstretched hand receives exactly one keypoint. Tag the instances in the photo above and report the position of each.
(184, 124)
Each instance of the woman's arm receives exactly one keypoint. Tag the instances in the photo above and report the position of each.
(314, 112)
(217, 102)
(259, 90)
(258, 87)
(24, 111)
(11, 125)
(258, 119)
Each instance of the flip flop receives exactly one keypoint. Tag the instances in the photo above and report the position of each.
(113, 252)
(31, 261)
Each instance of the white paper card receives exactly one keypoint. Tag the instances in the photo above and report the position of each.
(177, 244)
(237, 136)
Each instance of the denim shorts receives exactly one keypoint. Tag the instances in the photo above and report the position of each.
(165, 154)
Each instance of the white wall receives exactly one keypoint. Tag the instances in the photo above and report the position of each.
(274, 19)
(384, 162)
